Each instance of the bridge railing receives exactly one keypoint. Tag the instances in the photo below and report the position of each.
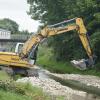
(20, 36)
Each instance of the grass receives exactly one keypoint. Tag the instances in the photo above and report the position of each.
(25, 92)
(4, 76)
(11, 96)
(6, 95)
(46, 60)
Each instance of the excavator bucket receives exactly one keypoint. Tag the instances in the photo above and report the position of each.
(84, 64)
(80, 64)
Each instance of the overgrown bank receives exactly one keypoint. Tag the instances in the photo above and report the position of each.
(46, 60)
(19, 91)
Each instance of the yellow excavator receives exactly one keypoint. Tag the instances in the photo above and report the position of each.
(23, 61)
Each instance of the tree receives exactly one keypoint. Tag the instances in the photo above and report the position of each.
(51, 11)
(24, 32)
(9, 25)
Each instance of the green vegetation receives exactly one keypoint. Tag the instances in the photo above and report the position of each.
(12, 26)
(9, 24)
(5, 95)
(46, 60)
(4, 76)
(13, 96)
(18, 91)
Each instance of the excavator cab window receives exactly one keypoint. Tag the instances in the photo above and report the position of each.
(18, 47)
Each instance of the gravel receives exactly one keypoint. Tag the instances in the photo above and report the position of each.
(52, 87)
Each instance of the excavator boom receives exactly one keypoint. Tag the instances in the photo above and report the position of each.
(59, 28)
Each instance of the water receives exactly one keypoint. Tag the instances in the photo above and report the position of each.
(42, 74)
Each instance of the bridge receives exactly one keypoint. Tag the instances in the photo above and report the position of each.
(8, 42)
(16, 38)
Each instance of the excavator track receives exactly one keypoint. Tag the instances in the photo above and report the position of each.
(12, 71)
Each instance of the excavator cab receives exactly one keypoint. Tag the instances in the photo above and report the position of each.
(32, 55)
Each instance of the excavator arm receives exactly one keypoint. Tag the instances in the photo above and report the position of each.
(29, 48)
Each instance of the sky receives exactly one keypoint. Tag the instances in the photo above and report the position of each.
(16, 10)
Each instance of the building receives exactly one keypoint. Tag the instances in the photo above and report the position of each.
(5, 34)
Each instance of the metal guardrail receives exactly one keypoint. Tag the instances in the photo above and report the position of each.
(20, 37)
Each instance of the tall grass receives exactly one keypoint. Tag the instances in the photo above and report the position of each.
(4, 75)
(19, 91)
(6, 95)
